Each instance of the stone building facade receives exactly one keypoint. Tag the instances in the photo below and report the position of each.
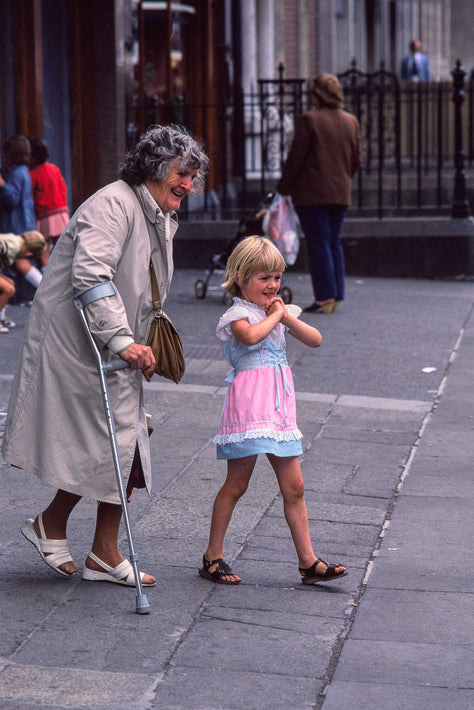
(311, 36)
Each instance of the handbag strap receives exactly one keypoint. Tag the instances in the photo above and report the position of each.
(155, 291)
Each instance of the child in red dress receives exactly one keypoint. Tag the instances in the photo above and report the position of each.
(49, 195)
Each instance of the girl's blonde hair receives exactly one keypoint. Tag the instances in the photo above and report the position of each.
(250, 256)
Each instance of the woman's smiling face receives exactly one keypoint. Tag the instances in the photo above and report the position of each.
(169, 192)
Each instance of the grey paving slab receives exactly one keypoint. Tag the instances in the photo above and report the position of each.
(370, 454)
(171, 520)
(379, 420)
(323, 475)
(423, 463)
(312, 412)
(396, 696)
(376, 505)
(323, 627)
(376, 467)
(455, 421)
(399, 615)
(422, 570)
(434, 478)
(333, 535)
(457, 509)
(381, 481)
(110, 636)
(445, 444)
(188, 688)
(25, 605)
(393, 438)
(439, 665)
(320, 600)
(436, 542)
(73, 687)
(242, 647)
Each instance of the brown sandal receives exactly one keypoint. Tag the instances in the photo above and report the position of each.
(310, 576)
(217, 576)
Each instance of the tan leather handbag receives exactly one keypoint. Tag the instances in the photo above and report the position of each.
(164, 339)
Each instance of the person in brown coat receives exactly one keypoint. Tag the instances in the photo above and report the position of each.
(324, 155)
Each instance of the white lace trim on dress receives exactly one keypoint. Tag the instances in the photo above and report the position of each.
(239, 437)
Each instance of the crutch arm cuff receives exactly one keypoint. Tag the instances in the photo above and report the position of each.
(94, 293)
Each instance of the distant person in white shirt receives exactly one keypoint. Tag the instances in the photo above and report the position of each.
(416, 66)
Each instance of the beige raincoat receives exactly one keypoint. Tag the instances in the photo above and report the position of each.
(56, 426)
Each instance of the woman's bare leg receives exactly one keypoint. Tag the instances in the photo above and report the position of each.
(55, 519)
(105, 544)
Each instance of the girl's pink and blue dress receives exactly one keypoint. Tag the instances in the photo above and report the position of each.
(259, 414)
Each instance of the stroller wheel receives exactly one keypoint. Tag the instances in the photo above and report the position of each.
(200, 289)
(286, 294)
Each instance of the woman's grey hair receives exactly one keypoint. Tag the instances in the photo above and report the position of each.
(157, 149)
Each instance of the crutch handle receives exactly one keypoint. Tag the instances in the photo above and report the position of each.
(114, 365)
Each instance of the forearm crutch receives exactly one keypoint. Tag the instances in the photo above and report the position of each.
(104, 368)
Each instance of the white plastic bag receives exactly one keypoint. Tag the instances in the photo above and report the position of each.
(282, 226)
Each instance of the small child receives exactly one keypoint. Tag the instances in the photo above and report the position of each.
(16, 202)
(49, 195)
(259, 415)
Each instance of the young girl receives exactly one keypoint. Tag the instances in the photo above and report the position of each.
(49, 195)
(259, 415)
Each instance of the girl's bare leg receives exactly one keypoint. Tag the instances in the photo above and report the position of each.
(105, 544)
(290, 481)
(239, 472)
(7, 290)
(55, 519)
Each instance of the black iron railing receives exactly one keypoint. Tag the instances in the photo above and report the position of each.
(412, 137)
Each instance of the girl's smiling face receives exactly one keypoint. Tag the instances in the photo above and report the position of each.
(261, 287)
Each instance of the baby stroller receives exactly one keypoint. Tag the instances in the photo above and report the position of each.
(253, 226)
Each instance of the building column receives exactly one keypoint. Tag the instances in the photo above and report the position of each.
(266, 40)
(382, 35)
(327, 36)
(28, 66)
(250, 87)
(360, 35)
(249, 46)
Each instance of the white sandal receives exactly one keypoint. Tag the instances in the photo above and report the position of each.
(53, 552)
(122, 574)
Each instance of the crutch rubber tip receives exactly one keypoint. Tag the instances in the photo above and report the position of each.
(142, 604)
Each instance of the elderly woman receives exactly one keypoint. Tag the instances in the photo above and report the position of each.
(56, 427)
(323, 157)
